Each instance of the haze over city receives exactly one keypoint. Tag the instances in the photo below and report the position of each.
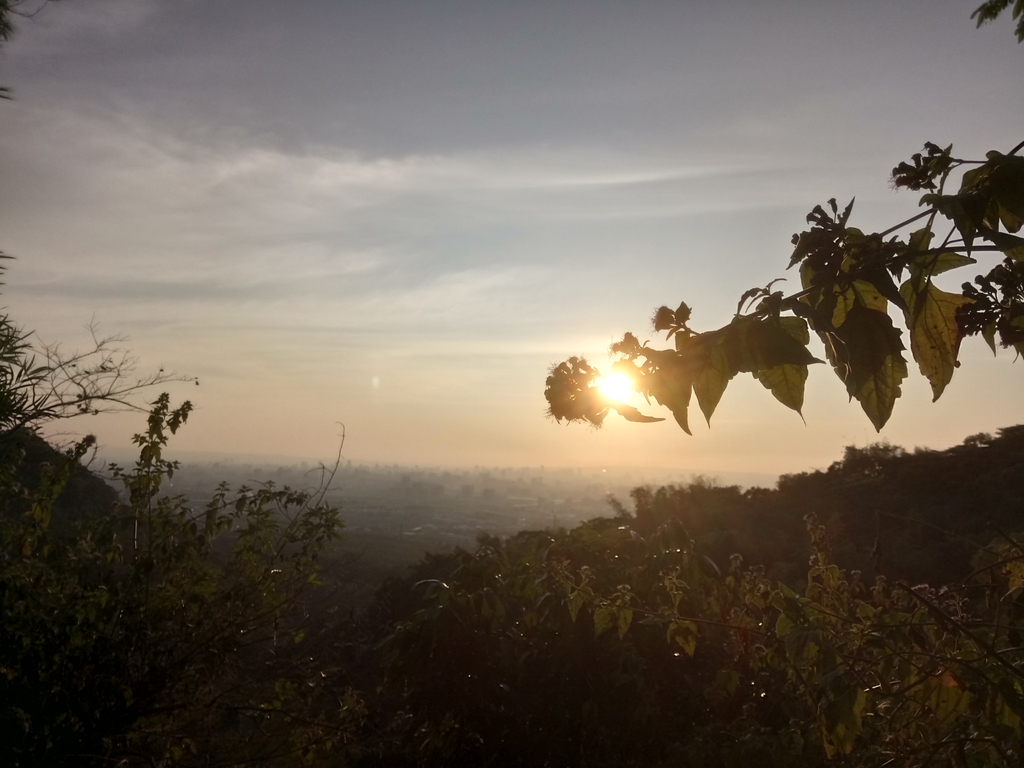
(398, 215)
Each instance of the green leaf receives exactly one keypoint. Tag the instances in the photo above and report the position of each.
(1015, 574)
(711, 382)
(841, 721)
(625, 618)
(923, 267)
(684, 633)
(771, 343)
(862, 293)
(786, 383)
(934, 333)
(797, 328)
(783, 625)
(866, 353)
(944, 695)
(604, 618)
(576, 600)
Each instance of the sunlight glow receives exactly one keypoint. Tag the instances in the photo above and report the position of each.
(616, 386)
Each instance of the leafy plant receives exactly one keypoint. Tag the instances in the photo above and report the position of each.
(850, 280)
(165, 633)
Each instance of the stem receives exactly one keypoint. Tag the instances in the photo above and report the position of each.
(902, 224)
(989, 649)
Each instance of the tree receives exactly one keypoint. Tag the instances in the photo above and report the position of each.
(849, 280)
(44, 384)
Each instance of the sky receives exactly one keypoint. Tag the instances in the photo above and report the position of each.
(398, 215)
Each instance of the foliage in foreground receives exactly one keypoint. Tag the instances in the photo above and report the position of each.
(849, 279)
(158, 632)
(601, 646)
(199, 638)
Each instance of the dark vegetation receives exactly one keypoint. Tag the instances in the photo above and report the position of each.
(917, 516)
(865, 616)
(688, 630)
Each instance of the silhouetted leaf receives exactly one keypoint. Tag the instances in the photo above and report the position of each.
(989, 334)
(671, 385)
(867, 356)
(934, 334)
(712, 380)
(882, 282)
(1011, 245)
(1007, 183)
(682, 313)
(629, 413)
(952, 207)
(927, 265)
(860, 293)
(766, 343)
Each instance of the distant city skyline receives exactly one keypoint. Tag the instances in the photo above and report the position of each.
(398, 215)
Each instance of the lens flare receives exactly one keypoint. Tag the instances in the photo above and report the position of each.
(616, 386)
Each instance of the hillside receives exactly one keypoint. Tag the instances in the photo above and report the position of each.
(919, 516)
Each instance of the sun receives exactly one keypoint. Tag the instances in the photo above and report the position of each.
(616, 386)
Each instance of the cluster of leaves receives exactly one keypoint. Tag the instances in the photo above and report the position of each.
(159, 632)
(618, 644)
(988, 11)
(849, 279)
(41, 382)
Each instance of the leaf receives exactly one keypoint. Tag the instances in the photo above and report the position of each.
(797, 328)
(684, 633)
(989, 334)
(923, 267)
(841, 721)
(944, 696)
(604, 618)
(952, 207)
(629, 413)
(575, 603)
(1011, 245)
(861, 292)
(786, 383)
(625, 617)
(1015, 574)
(711, 382)
(867, 355)
(1007, 184)
(934, 333)
(771, 342)
(783, 625)
(670, 384)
